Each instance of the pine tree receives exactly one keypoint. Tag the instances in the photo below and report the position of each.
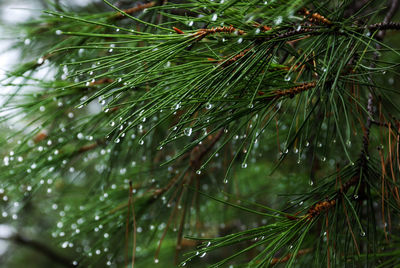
(205, 133)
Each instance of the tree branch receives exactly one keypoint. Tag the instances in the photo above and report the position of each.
(39, 247)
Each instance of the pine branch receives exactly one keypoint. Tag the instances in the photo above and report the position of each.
(384, 26)
(393, 6)
(175, 78)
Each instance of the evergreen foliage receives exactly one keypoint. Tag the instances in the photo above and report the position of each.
(207, 133)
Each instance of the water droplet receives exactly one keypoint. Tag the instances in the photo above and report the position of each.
(27, 41)
(198, 172)
(65, 244)
(190, 23)
(278, 20)
(202, 255)
(59, 32)
(156, 260)
(240, 40)
(42, 108)
(362, 233)
(141, 142)
(40, 61)
(188, 131)
(214, 17)
(244, 165)
(287, 78)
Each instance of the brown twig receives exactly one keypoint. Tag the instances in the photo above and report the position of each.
(316, 17)
(177, 30)
(101, 81)
(285, 35)
(394, 4)
(40, 136)
(241, 54)
(320, 207)
(88, 147)
(323, 206)
(201, 33)
(384, 26)
(263, 28)
(134, 9)
(133, 224)
(291, 92)
(288, 256)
